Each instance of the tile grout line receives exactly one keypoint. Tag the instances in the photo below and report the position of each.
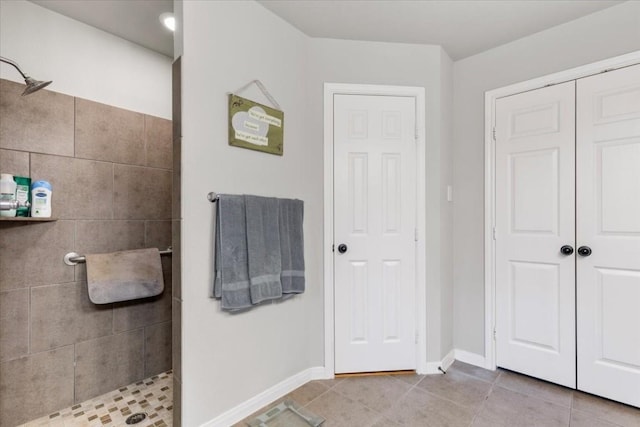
(481, 407)
(544, 399)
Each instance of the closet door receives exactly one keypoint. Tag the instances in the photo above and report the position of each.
(608, 230)
(535, 218)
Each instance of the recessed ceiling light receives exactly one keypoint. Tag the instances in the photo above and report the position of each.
(168, 20)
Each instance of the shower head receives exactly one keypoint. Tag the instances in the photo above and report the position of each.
(33, 85)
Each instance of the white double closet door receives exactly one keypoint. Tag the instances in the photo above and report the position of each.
(568, 234)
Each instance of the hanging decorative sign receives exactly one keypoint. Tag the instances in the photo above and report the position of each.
(256, 126)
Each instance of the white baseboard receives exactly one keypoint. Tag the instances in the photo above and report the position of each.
(321, 373)
(470, 358)
(432, 367)
(253, 404)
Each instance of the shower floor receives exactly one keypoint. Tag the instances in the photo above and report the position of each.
(152, 396)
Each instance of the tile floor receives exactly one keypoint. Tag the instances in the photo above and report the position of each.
(152, 396)
(465, 396)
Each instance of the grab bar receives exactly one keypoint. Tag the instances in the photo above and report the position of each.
(73, 258)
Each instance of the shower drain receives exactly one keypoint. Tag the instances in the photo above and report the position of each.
(136, 418)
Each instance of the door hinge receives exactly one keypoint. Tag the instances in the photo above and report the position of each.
(417, 336)
(494, 333)
(494, 233)
(415, 234)
(494, 133)
(333, 248)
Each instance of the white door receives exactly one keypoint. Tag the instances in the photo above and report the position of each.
(375, 218)
(535, 189)
(608, 223)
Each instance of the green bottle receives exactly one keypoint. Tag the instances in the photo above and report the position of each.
(23, 194)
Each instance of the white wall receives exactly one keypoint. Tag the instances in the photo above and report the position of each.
(446, 207)
(228, 359)
(83, 61)
(611, 32)
(231, 358)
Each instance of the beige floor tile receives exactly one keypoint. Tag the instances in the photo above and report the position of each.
(412, 379)
(459, 388)
(537, 388)
(308, 392)
(508, 408)
(419, 408)
(475, 371)
(332, 382)
(340, 411)
(586, 419)
(617, 413)
(376, 392)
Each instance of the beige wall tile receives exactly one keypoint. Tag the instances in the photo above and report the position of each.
(14, 162)
(106, 363)
(41, 123)
(158, 234)
(95, 237)
(128, 315)
(14, 324)
(177, 402)
(63, 314)
(82, 189)
(109, 133)
(157, 348)
(141, 193)
(176, 98)
(176, 337)
(176, 196)
(109, 236)
(176, 264)
(36, 385)
(22, 244)
(158, 138)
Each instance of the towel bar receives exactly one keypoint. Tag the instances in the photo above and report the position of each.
(72, 258)
(212, 197)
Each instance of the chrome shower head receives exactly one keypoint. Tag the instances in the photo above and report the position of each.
(33, 85)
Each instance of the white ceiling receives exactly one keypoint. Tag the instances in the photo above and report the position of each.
(135, 20)
(462, 27)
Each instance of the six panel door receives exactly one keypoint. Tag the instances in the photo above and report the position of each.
(535, 188)
(375, 218)
(608, 225)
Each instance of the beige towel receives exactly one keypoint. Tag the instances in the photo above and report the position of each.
(124, 276)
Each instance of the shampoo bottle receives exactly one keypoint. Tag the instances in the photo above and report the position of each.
(41, 199)
(7, 192)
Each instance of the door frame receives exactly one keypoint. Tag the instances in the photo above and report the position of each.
(489, 176)
(418, 93)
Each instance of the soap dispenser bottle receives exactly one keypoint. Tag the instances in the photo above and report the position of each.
(7, 192)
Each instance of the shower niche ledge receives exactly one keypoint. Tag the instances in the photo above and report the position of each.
(26, 219)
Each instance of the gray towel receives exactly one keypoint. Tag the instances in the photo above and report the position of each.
(232, 274)
(263, 245)
(292, 245)
(124, 276)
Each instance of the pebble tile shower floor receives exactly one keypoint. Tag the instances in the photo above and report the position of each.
(152, 396)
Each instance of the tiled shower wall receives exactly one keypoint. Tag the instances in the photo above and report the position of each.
(111, 172)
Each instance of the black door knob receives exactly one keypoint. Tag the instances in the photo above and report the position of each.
(566, 250)
(584, 250)
(342, 248)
